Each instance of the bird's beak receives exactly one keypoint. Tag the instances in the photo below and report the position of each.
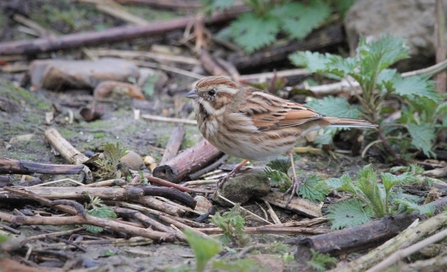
(192, 94)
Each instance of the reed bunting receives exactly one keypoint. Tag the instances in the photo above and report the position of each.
(251, 124)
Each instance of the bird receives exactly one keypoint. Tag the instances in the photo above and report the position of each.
(252, 124)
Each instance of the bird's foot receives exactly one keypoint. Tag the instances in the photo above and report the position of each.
(293, 190)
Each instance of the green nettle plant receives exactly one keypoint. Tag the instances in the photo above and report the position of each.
(420, 108)
(372, 199)
(259, 28)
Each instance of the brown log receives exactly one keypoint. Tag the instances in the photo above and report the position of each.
(174, 143)
(117, 34)
(187, 162)
(12, 166)
(266, 60)
(360, 237)
(167, 4)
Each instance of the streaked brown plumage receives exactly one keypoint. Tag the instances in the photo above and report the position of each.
(254, 125)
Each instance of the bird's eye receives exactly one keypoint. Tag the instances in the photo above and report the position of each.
(212, 92)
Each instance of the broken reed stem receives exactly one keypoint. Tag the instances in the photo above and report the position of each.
(414, 232)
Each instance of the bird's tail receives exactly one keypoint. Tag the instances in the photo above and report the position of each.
(347, 123)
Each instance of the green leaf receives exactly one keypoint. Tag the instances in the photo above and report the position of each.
(204, 248)
(427, 209)
(422, 137)
(441, 109)
(211, 6)
(347, 214)
(415, 86)
(237, 265)
(101, 212)
(277, 178)
(321, 262)
(378, 55)
(389, 180)
(313, 61)
(311, 191)
(367, 183)
(334, 106)
(342, 66)
(281, 165)
(305, 19)
(252, 32)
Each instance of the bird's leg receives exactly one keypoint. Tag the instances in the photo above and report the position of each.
(231, 174)
(295, 181)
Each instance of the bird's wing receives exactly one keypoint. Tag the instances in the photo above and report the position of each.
(269, 112)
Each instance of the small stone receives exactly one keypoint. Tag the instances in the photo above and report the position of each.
(133, 160)
(244, 186)
(202, 204)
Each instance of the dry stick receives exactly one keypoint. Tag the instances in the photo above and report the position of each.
(124, 212)
(78, 219)
(117, 11)
(264, 76)
(51, 234)
(168, 68)
(117, 34)
(174, 143)
(270, 229)
(299, 205)
(438, 263)
(176, 186)
(272, 213)
(405, 238)
(209, 168)
(242, 208)
(441, 79)
(168, 119)
(154, 203)
(62, 146)
(165, 4)
(189, 161)
(402, 253)
(126, 54)
(12, 166)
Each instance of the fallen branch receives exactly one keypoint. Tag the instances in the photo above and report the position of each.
(174, 143)
(117, 34)
(410, 235)
(63, 147)
(12, 166)
(189, 161)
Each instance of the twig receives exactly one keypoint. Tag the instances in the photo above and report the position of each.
(209, 167)
(441, 78)
(272, 213)
(174, 143)
(168, 119)
(174, 185)
(242, 208)
(402, 253)
(139, 55)
(405, 238)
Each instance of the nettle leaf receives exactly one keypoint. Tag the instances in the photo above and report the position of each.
(312, 189)
(441, 109)
(101, 212)
(380, 54)
(389, 180)
(304, 18)
(367, 183)
(314, 62)
(321, 262)
(427, 209)
(211, 6)
(252, 32)
(342, 66)
(422, 137)
(335, 106)
(415, 86)
(204, 248)
(347, 214)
